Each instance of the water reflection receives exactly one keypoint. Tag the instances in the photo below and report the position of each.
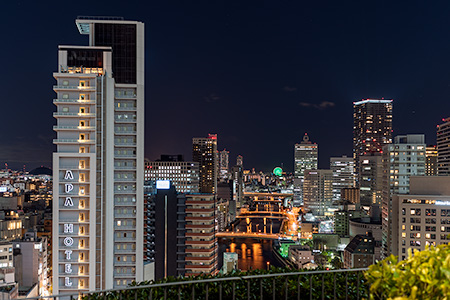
(252, 253)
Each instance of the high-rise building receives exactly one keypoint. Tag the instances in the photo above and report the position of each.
(305, 158)
(343, 169)
(204, 152)
(180, 231)
(372, 127)
(184, 175)
(443, 147)
(201, 242)
(421, 218)
(431, 161)
(402, 159)
(238, 185)
(371, 179)
(98, 167)
(240, 161)
(169, 230)
(224, 164)
(318, 191)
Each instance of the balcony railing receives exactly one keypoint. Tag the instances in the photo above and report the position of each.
(74, 87)
(88, 101)
(73, 141)
(72, 114)
(84, 128)
(332, 284)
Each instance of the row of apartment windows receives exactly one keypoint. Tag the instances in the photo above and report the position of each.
(80, 97)
(126, 222)
(126, 270)
(81, 83)
(126, 246)
(125, 199)
(131, 258)
(126, 234)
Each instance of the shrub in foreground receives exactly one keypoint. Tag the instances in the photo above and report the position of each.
(423, 275)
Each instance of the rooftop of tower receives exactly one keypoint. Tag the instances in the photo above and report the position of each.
(363, 101)
(83, 22)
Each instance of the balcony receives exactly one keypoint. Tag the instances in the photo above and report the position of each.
(124, 227)
(84, 128)
(131, 132)
(125, 144)
(131, 120)
(125, 167)
(73, 88)
(73, 141)
(124, 155)
(73, 101)
(73, 114)
(125, 108)
(124, 179)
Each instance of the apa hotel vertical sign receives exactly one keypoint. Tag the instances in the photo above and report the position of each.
(68, 228)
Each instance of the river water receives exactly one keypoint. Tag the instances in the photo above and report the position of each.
(252, 253)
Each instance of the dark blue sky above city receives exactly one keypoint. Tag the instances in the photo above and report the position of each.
(258, 73)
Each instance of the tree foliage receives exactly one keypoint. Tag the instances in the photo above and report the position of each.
(423, 275)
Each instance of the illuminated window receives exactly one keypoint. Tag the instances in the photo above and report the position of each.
(81, 203)
(82, 96)
(82, 136)
(82, 83)
(81, 270)
(82, 164)
(82, 150)
(82, 123)
(81, 243)
(81, 281)
(82, 177)
(82, 190)
(81, 229)
(82, 110)
(81, 217)
(81, 257)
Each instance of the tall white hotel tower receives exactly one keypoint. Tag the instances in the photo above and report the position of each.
(98, 168)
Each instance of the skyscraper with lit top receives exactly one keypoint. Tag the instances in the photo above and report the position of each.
(98, 171)
(305, 158)
(372, 127)
(224, 164)
(204, 152)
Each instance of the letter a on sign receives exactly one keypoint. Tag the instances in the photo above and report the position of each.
(68, 187)
(68, 202)
(69, 175)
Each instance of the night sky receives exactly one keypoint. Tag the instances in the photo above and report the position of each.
(258, 73)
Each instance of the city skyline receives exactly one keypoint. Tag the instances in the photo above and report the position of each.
(290, 68)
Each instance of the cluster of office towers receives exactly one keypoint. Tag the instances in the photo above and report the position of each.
(377, 178)
(189, 200)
